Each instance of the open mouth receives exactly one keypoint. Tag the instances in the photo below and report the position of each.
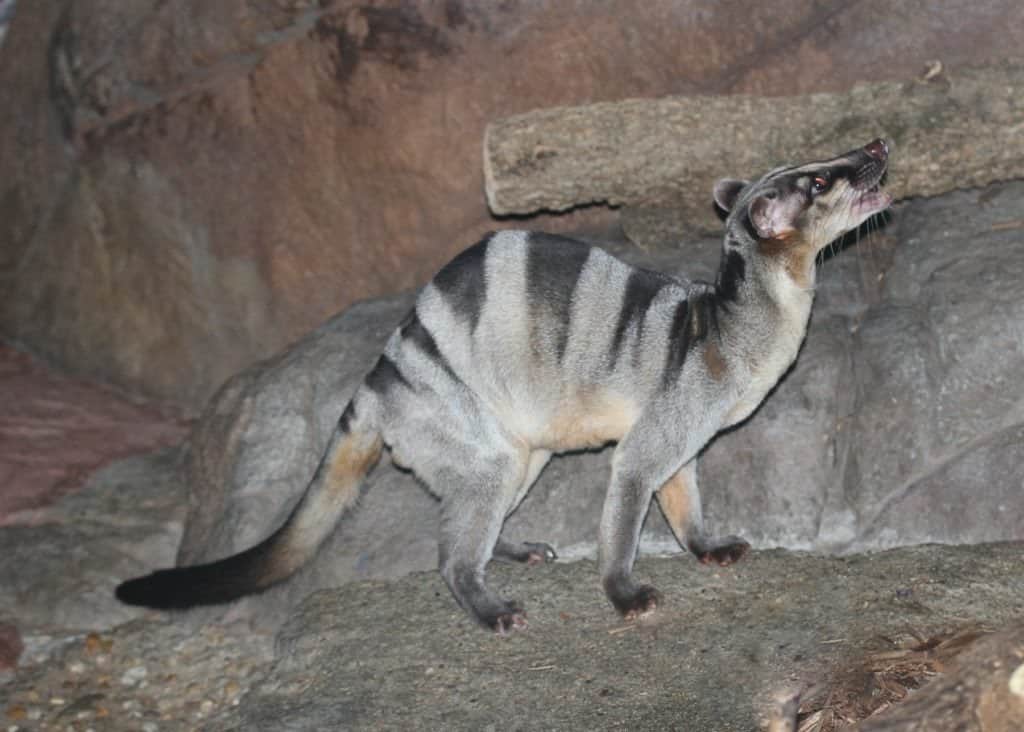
(873, 199)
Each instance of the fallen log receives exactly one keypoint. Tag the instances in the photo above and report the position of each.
(978, 686)
(955, 129)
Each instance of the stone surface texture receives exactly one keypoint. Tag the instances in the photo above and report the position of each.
(189, 186)
(58, 573)
(902, 421)
(401, 655)
(647, 152)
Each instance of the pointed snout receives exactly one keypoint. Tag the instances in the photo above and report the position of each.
(878, 149)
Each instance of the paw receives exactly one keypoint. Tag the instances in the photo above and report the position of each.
(722, 552)
(639, 604)
(539, 553)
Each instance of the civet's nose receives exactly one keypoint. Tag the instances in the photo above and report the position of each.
(877, 149)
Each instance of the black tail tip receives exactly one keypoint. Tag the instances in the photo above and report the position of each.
(161, 590)
(185, 587)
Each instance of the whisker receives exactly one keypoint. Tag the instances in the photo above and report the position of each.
(873, 227)
(856, 253)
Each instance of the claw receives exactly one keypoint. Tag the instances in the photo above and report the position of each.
(540, 553)
(723, 552)
(504, 624)
(642, 604)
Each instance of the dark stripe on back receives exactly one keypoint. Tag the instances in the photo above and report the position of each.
(678, 343)
(385, 375)
(553, 267)
(641, 288)
(463, 284)
(703, 315)
(691, 323)
(731, 274)
(413, 331)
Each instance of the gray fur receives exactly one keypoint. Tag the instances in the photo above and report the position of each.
(531, 344)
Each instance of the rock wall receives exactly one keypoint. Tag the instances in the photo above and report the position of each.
(188, 186)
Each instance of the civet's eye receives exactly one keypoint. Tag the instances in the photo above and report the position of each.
(819, 183)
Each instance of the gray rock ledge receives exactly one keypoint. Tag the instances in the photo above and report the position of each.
(959, 129)
(401, 655)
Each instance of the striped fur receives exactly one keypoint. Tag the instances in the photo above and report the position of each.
(529, 344)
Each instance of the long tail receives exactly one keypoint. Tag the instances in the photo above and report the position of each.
(350, 455)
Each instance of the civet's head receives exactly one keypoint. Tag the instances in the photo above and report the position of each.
(792, 213)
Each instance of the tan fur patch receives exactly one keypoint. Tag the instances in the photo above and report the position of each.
(353, 459)
(714, 360)
(794, 254)
(590, 419)
(336, 487)
(674, 499)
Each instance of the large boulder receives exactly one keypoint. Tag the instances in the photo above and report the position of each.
(58, 573)
(901, 422)
(188, 186)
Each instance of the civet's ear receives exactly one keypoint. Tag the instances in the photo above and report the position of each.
(774, 217)
(727, 191)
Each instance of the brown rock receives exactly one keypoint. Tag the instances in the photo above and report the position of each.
(55, 430)
(187, 186)
(11, 647)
